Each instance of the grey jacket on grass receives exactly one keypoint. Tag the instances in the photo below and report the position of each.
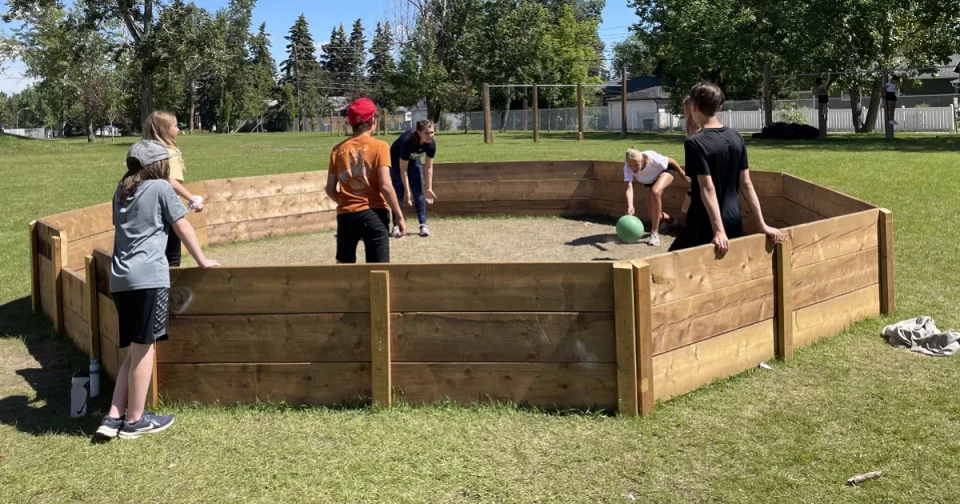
(921, 335)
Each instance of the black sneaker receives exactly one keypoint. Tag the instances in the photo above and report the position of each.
(149, 423)
(109, 426)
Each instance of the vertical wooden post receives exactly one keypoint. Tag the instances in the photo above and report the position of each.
(887, 127)
(93, 302)
(626, 326)
(580, 112)
(57, 257)
(821, 121)
(888, 299)
(380, 339)
(34, 269)
(783, 298)
(767, 95)
(331, 122)
(524, 108)
(644, 319)
(623, 103)
(487, 127)
(536, 115)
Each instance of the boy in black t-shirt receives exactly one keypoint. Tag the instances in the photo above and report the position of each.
(716, 162)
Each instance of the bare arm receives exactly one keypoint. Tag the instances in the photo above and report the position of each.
(709, 194)
(750, 194)
(676, 166)
(630, 209)
(184, 193)
(331, 187)
(386, 188)
(405, 178)
(186, 233)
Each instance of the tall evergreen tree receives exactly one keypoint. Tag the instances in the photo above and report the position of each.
(381, 66)
(338, 60)
(356, 57)
(300, 69)
(263, 71)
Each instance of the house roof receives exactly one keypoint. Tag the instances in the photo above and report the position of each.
(638, 88)
(950, 70)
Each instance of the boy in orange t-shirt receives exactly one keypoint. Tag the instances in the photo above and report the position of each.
(359, 181)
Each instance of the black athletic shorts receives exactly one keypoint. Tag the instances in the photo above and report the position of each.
(371, 226)
(891, 96)
(671, 170)
(823, 99)
(144, 315)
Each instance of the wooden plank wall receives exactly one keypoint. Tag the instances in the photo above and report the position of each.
(836, 274)
(272, 205)
(49, 247)
(109, 330)
(542, 334)
(805, 202)
(513, 188)
(712, 317)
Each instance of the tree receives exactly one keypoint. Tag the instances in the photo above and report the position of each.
(381, 67)
(301, 69)
(631, 54)
(338, 60)
(355, 58)
(263, 72)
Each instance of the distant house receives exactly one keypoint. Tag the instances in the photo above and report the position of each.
(647, 103)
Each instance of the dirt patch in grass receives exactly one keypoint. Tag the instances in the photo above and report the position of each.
(458, 240)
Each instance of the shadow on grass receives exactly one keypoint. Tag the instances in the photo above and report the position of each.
(864, 143)
(597, 241)
(48, 411)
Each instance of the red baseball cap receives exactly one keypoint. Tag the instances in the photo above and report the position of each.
(361, 111)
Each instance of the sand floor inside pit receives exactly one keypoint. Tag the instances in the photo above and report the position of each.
(455, 240)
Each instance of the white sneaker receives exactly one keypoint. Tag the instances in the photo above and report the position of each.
(424, 230)
(654, 240)
(395, 232)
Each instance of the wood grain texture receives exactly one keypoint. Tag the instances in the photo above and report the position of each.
(838, 236)
(828, 279)
(819, 199)
(829, 317)
(626, 337)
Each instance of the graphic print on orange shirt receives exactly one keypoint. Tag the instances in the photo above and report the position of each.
(356, 162)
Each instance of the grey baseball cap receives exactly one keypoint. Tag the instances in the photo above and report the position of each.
(148, 152)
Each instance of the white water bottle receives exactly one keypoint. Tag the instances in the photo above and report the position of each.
(78, 394)
(94, 378)
(197, 199)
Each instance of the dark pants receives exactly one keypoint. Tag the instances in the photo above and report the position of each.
(415, 176)
(369, 226)
(173, 249)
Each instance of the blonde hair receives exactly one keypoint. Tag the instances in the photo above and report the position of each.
(690, 125)
(157, 127)
(633, 153)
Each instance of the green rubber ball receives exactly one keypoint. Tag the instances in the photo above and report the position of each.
(630, 229)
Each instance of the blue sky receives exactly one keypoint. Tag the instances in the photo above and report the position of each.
(323, 16)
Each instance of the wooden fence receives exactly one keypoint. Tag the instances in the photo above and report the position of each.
(612, 335)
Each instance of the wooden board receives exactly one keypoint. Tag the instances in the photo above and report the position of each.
(235, 189)
(271, 227)
(783, 299)
(77, 329)
(415, 287)
(380, 355)
(626, 337)
(48, 300)
(829, 317)
(608, 171)
(84, 222)
(819, 199)
(34, 268)
(767, 183)
(306, 383)
(616, 191)
(542, 385)
(267, 207)
(770, 206)
(694, 366)
(102, 261)
(504, 337)
(888, 299)
(75, 294)
(93, 307)
(527, 190)
(828, 279)
(83, 247)
(109, 323)
(835, 237)
(512, 170)
(513, 208)
(697, 270)
(696, 318)
(794, 214)
(340, 337)
(642, 285)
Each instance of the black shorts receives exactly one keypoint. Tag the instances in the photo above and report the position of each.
(671, 170)
(144, 315)
(891, 96)
(173, 249)
(371, 226)
(823, 99)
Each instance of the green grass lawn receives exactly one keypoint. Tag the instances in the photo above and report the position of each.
(848, 405)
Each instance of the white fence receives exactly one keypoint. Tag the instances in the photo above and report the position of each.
(26, 132)
(840, 120)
